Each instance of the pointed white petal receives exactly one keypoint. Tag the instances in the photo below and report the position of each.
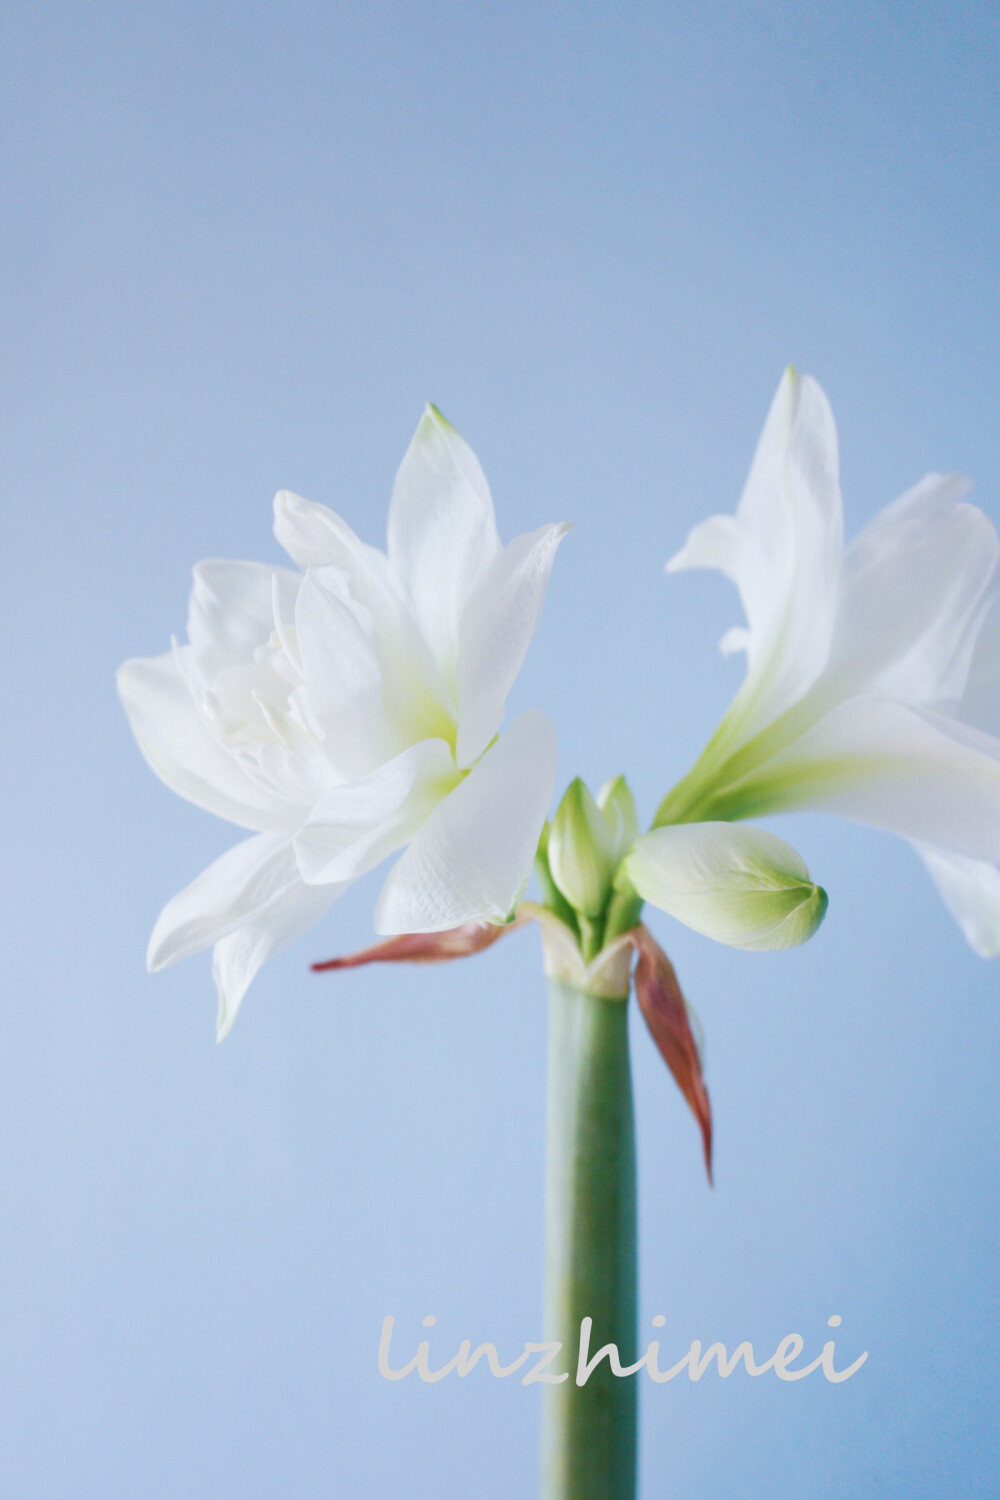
(232, 608)
(237, 958)
(314, 536)
(358, 574)
(914, 773)
(356, 825)
(970, 889)
(783, 551)
(241, 884)
(714, 543)
(249, 903)
(472, 858)
(916, 584)
(442, 534)
(494, 634)
(182, 751)
(740, 886)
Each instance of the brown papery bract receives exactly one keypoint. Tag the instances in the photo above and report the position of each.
(424, 947)
(666, 1014)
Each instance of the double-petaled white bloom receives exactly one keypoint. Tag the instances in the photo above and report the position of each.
(873, 681)
(350, 707)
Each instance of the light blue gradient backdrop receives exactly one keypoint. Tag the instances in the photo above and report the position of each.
(246, 243)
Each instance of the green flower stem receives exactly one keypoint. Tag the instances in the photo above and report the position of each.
(589, 1431)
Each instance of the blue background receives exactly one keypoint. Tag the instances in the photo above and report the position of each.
(246, 243)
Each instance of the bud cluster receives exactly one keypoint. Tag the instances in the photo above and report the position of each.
(580, 857)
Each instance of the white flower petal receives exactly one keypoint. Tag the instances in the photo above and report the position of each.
(232, 609)
(495, 631)
(237, 958)
(442, 533)
(736, 638)
(181, 750)
(242, 883)
(417, 704)
(718, 543)
(915, 586)
(343, 679)
(249, 904)
(901, 728)
(333, 699)
(740, 886)
(970, 889)
(317, 538)
(362, 580)
(914, 773)
(314, 536)
(783, 551)
(980, 703)
(472, 858)
(356, 825)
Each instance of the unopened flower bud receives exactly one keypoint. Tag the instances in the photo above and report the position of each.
(740, 886)
(581, 857)
(618, 806)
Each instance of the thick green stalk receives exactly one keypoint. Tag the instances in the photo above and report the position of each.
(589, 1431)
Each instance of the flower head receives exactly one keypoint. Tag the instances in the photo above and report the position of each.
(349, 708)
(873, 670)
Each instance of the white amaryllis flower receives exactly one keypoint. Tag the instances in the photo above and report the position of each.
(873, 681)
(350, 707)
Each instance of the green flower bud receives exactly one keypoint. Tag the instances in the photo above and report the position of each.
(618, 806)
(581, 853)
(738, 885)
(552, 896)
